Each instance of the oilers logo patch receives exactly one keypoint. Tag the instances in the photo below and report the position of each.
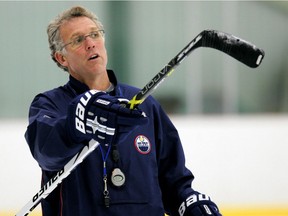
(142, 144)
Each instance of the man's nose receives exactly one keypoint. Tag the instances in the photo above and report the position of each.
(89, 43)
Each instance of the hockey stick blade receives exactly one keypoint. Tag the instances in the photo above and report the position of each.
(235, 47)
(238, 48)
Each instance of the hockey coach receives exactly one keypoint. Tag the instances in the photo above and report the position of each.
(139, 166)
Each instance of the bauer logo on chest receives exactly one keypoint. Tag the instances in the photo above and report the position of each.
(142, 144)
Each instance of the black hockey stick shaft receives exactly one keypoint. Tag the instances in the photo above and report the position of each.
(237, 48)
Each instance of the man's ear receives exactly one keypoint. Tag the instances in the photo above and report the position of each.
(61, 59)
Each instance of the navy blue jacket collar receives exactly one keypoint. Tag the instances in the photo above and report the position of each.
(80, 87)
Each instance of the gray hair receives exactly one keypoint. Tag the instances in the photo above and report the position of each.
(53, 29)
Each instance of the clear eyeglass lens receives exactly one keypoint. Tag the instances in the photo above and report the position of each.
(78, 41)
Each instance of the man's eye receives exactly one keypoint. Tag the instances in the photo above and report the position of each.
(94, 35)
(78, 40)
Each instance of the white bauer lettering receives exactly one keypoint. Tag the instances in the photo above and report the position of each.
(80, 111)
(80, 125)
(182, 209)
(83, 100)
(191, 200)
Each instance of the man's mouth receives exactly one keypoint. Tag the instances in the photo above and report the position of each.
(93, 57)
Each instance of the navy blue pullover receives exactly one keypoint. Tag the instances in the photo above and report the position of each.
(157, 180)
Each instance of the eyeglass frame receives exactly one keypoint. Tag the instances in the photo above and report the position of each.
(100, 32)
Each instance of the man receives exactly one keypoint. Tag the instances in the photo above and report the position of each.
(139, 166)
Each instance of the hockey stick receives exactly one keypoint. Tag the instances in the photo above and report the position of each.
(58, 178)
(239, 49)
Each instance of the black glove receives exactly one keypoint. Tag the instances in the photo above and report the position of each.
(198, 205)
(99, 116)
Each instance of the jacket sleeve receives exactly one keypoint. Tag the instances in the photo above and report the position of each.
(46, 133)
(175, 179)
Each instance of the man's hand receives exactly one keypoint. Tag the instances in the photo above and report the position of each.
(198, 205)
(97, 115)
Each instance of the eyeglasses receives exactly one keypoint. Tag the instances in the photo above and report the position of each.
(78, 41)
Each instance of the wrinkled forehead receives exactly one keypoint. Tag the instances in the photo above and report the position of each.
(77, 26)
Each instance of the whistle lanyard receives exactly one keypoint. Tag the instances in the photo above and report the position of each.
(105, 192)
